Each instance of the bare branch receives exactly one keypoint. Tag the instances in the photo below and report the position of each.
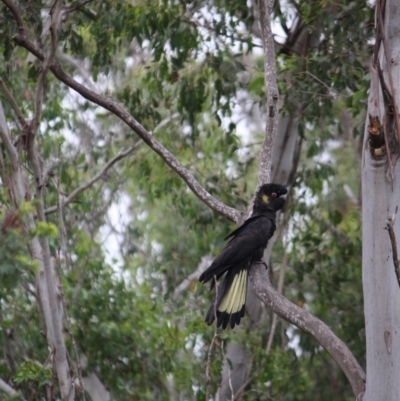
(120, 155)
(328, 88)
(310, 324)
(74, 7)
(10, 391)
(110, 104)
(264, 172)
(17, 16)
(55, 14)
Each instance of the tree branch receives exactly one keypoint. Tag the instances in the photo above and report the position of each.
(17, 16)
(120, 155)
(111, 105)
(55, 15)
(54, 319)
(310, 324)
(75, 7)
(6, 138)
(264, 171)
(13, 104)
(10, 391)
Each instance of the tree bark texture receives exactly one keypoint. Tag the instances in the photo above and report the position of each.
(380, 201)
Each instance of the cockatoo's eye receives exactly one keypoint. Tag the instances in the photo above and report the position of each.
(273, 194)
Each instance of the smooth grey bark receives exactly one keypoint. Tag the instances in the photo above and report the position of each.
(380, 200)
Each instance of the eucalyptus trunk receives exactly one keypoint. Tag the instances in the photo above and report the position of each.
(380, 197)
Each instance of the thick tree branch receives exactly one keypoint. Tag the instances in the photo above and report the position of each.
(264, 172)
(310, 324)
(16, 14)
(111, 105)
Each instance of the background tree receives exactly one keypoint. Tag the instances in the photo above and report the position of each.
(94, 93)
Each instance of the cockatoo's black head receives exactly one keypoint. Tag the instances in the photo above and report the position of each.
(269, 197)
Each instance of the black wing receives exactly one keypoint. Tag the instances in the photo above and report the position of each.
(248, 239)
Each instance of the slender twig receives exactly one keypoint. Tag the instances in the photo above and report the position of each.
(310, 324)
(239, 393)
(75, 7)
(110, 104)
(328, 88)
(392, 236)
(6, 388)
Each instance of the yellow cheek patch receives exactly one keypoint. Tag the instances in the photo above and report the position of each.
(265, 198)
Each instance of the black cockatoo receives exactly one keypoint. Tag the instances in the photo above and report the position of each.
(246, 246)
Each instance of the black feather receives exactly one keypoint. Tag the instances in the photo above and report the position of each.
(245, 246)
